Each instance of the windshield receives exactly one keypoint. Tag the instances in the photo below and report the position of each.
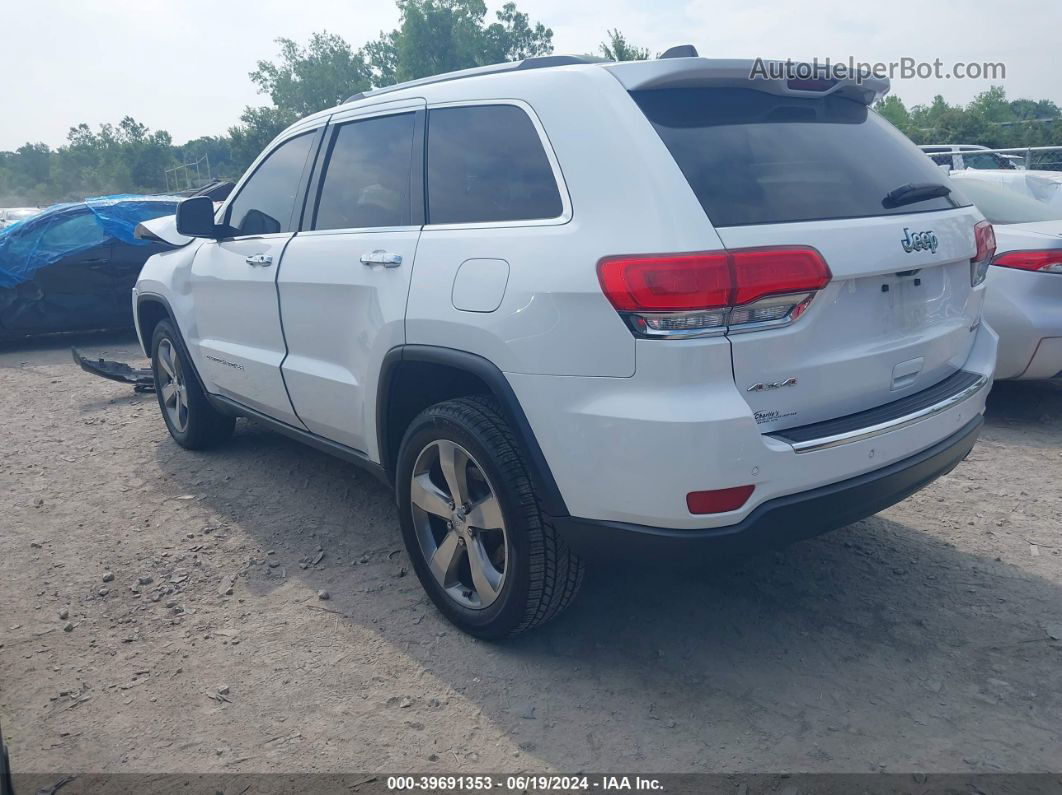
(982, 160)
(1003, 206)
(757, 158)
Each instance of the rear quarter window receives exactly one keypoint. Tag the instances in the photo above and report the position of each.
(757, 158)
(486, 164)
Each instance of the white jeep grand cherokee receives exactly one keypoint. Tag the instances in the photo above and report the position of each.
(567, 306)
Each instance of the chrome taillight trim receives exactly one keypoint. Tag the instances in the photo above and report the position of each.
(724, 328)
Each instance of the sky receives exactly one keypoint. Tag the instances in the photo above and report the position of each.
(182, 65)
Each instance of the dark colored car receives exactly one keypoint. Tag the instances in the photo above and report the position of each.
(72, 267)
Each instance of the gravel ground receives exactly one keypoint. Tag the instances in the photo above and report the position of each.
(161, 612)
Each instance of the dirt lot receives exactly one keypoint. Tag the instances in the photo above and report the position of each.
(926, 638)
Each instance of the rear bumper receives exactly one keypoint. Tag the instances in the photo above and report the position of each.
(783, 519)
(629, 450)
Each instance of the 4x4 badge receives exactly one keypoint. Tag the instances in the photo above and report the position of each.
(774, 385)
(919, 241)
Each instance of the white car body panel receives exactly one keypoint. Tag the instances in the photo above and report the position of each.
(1044, 186)
(699, 433)
(869, 321)
(627, 426)
(1025, 308)
(165, 229)
(341, 317)
(238, 335)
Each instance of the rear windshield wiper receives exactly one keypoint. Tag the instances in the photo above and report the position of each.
(912, 193)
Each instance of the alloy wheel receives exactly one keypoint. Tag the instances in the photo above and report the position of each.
(459, 524)
(172, 387)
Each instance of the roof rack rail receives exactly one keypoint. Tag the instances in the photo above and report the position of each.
(538, 62)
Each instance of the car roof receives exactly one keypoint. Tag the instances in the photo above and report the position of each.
(678, 66)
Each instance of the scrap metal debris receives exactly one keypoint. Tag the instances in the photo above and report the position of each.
(141, 378)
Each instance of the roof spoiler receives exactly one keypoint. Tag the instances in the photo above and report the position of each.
(685, 71)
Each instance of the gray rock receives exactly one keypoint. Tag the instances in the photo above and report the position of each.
(145, 580)
(108, 576)
(64, 614)
(68, 627)
(223, 690)
(324, 595)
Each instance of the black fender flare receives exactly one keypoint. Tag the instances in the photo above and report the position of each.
(143, 298)
(498, 384)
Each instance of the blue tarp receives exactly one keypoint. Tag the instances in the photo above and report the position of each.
(65, 229)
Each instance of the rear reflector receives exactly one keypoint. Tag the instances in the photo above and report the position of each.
(718, 500)
(706, 292)
(1043, 260)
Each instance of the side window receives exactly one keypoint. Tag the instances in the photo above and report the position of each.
(79, 231)
(265, 203)
(486, 163)
(366, 181)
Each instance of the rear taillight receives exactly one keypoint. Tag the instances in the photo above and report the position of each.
(684, 295)
(985, 239)
(1041, 260)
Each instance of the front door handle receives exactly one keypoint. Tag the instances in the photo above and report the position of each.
(260, 260)
(381, 257)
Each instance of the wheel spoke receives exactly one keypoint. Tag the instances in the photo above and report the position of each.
(169, 394)
(485, 577)
(165, 359)
(453, 463)
(445, 561)
(429, 497)
(486, 514)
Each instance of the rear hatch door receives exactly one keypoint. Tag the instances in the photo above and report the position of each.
(775, 169)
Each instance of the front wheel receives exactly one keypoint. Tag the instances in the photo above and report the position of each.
(485, 552)
(192, 421)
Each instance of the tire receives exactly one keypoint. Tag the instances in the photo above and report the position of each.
(191, 420)
(539, 574)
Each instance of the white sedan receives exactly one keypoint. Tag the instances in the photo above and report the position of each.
(12, 215)
(1024, 298)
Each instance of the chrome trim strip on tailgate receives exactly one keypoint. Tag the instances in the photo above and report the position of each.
(870, 431)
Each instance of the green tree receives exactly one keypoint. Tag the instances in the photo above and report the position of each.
(893, 109)
(514, 38)
(312, 78)
(435, 36)
(259, 126)
(617, 48)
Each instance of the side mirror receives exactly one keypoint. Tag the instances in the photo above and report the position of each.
(195, 217)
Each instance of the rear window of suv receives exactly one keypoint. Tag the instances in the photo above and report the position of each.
(757, 158)
(486, 164)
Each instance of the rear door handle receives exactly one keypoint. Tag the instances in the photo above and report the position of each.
(260, 260)
(381, 257)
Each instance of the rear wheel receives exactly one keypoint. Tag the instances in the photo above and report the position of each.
(192, 421)
(485, 552)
